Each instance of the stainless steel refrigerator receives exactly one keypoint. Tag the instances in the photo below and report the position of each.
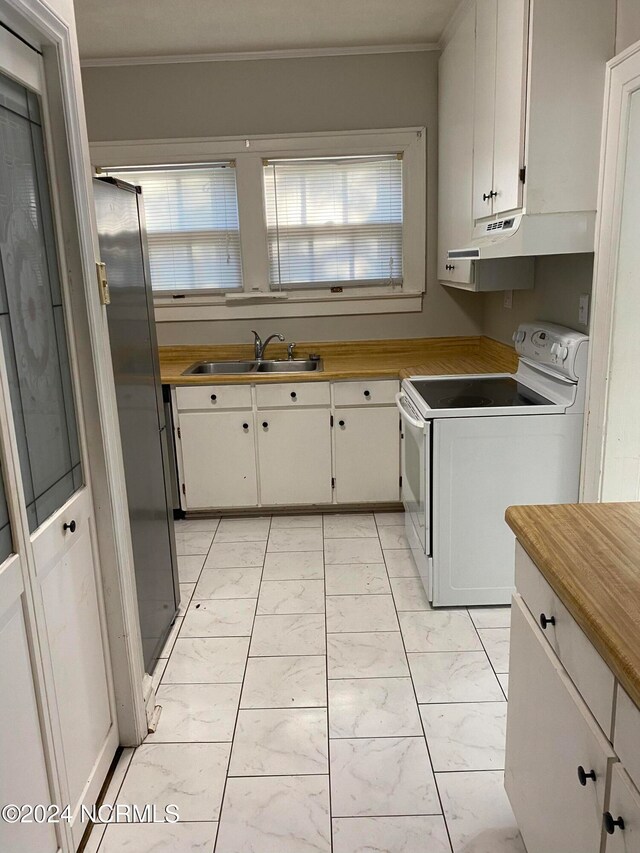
(147, 462)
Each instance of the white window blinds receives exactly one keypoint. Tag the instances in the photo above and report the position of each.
(192, 226)
(334, 221)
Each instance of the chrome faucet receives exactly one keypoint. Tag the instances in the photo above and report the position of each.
(259, 347)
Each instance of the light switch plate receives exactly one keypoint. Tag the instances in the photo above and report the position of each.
(508, 299)
(583, 309)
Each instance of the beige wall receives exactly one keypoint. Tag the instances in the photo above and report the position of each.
(268, 96)
(628, 24)
(559, 281)
(288, 96)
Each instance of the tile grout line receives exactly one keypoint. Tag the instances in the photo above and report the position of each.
(493, 669)
(130, 762)
(424, 734)
(326, 669)
(173, 645)
(244, 674)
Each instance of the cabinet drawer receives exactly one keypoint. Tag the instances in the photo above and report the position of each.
(624, 803)
(537, 594)
(585, 667)
(293, 394)
(626, 740)
(378, 391)
(213, 397)
(550, 734)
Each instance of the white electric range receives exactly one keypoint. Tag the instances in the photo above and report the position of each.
(474, 445)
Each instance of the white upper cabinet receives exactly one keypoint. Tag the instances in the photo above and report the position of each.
(484, 109)
(499, 105)
(510, 93)
(455, 149)
(521, 94)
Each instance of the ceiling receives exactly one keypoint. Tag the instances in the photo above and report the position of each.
(139, 28)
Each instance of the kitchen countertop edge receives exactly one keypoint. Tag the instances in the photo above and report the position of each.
(590, 556)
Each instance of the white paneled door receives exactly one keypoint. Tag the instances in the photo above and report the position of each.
(611, 465)
(58, 723)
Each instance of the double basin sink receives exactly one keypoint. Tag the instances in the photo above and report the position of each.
(290, 365)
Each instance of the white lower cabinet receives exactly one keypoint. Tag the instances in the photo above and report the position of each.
(554, 745)
(366, 454)
(218, 460)
(273, 444)
(623, 815)
(294, 453)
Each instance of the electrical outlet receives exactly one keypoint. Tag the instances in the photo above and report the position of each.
(508, 299)
(583, 309)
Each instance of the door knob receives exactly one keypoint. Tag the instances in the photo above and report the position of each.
(265, 424)
(245, 426)
(71, 527)
(213, 398)
(293, 395)
(610, 824)
(367, 393)
(546, 620)
(583, 775)
(340, 423)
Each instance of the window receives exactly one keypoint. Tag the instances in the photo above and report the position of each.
(192, 226)
(302, 225)
(334, 221)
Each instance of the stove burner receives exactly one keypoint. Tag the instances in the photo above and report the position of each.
(464, 401)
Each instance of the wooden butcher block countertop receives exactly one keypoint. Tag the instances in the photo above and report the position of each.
(590, 555)
(388, 359)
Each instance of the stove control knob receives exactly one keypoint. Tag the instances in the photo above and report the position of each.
(554, 349)
(563, 352)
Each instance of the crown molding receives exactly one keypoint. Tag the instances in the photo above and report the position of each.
(243, 56)
(454, 22)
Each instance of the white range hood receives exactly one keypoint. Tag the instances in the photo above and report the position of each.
(525, 234)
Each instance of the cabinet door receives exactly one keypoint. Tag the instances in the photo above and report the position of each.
(624, 803)
(455, 158)
(367, 455)
(550, 733)
(510, 95)
(294, 456)
(484, 106)
(218, 459)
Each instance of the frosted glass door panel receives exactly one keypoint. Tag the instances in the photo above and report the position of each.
(31, 313)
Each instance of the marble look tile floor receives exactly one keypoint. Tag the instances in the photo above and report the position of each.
(313, 702)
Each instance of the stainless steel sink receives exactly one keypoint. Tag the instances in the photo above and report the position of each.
(220, 367)
(295, 365)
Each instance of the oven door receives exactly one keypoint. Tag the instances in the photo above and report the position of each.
(416, 486)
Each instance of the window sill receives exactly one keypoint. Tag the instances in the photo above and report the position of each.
(307, 305)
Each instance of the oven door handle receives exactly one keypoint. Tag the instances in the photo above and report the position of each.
(407, 415)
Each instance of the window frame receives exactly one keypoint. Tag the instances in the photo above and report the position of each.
(257, 299)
